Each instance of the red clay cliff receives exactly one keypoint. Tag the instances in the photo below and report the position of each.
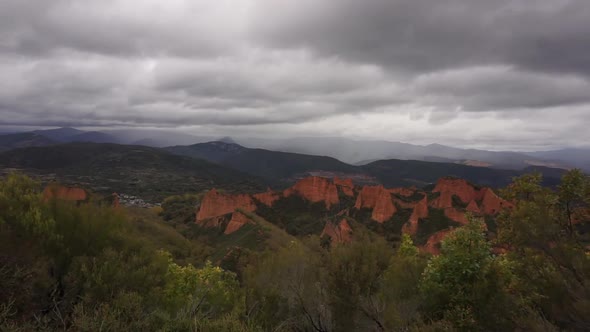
(238, 219)
(315, 189)
(215, 204)
(491, 203)
(459, 187)
(340, 233)
(378, 199)
(267, 198)
(345, 185)
(420, 211)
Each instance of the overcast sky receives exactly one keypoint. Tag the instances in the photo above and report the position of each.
(497, 74)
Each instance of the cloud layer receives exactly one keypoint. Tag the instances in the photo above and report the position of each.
(495, 74)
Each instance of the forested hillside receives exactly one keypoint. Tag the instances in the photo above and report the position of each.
(94, 266)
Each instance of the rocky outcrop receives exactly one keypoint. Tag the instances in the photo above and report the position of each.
(345, 185)
(238, 219)
(64, 193)
(215, 204)
(406, 192)
(378, 199)
(404, 204)
(267, 198)
(491, 203)
(315, 189)
(473, 207)
(443, 201)
(459, 187)
(339, 233)
(433, 243)
(456, 215)
(420, 211)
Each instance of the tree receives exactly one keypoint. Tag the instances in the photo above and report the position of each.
(354, 276)
(399, 293)
(285, 290)
(544, 248)
(466, 285)
(574, 198)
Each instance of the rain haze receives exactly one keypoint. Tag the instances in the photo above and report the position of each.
(491, 74)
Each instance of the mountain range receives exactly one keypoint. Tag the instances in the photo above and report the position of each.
(341, 153)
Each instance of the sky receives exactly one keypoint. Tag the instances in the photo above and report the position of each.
(495, 74)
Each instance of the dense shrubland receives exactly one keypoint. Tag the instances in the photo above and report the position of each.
(90, 268)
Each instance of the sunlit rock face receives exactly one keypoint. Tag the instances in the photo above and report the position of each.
(456, 198)
(215, 204)
(407, 192)
(238, 219)
(339, 233)
(379, 200)
(345, 185)
(458, 187)
(267, 198)
(491, 203)
(473, 207)
(420, 211)
(315, 189)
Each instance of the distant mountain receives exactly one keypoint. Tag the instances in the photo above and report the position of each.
(356, 152)
(275, 165)
(420, 173)
(576, 157)
(156, 137)
(59, 134)
(67, 135)
(267, 164)
(364, 151)
(93, 137)
(147, 137)
(21, 140)
(143, 171)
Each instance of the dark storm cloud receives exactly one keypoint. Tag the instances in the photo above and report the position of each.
(431, 35)
(459, 71)
(502, 88)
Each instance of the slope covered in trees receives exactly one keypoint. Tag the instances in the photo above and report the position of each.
(90, 266)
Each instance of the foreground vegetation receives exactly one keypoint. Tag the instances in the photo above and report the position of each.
(90, 268)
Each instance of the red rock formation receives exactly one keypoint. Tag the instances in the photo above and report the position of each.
(473, 207)
(433, 243)
(215, 204)
(341, 233)
(211, 222)
(491, 203)
(420, 211)
(443, 201)
(407, 192)
(238, 219)
(315, 189)
(463, 189)
(267, 198)
(404, 205)
(345, 185)
(456, 215)
(64, 193)
(378, 199)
